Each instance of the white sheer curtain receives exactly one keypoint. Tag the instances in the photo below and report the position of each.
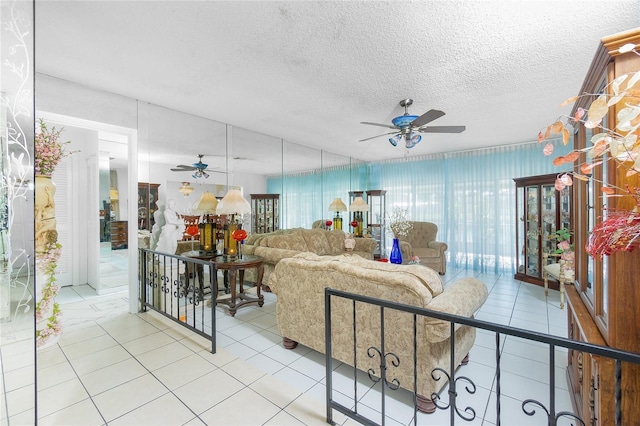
(470, 195)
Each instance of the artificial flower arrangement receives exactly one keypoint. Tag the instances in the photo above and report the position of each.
(49, 151)
(48, 262)
(620, 229)
(398, 223)
(565, 247)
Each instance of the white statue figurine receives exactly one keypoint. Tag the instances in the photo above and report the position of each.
(158, 217)
(171, 231)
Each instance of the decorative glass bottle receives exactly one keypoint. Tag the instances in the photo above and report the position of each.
(396, 254)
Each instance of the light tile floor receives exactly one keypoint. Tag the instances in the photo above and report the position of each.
(112, 367)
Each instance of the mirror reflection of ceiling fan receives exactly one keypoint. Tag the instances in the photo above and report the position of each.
(406, 127)
(199, 169)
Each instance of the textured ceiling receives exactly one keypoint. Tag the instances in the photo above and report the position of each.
(311, 71)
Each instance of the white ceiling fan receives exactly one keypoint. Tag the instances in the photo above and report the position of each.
(406, 126)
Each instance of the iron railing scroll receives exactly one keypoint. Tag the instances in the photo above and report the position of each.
(389, 360)
(174, 286)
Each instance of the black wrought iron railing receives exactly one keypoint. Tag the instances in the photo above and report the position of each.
(389, 361)
(175, 287)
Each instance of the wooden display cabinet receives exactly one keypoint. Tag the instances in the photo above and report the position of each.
(376, 220)
(265, 216)
(147, 199)
(119, 234)
(603, 304)
(540, 212)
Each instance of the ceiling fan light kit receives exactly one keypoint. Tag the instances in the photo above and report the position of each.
(199, 168)
(410, 140)
(406, 126)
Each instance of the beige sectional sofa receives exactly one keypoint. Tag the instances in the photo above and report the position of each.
(299, 283)
(282, 244)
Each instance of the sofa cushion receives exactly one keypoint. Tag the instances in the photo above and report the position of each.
(293, 241)
(316, 240)
(335, 239)
(427, 276)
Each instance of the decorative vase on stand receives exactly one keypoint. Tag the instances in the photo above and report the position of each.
(396, 254)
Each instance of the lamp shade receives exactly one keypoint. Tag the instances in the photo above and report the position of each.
(337, 206)
(359, 205)
(233, 203)
(207, 204)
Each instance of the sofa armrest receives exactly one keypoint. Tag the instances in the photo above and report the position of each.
(273, 255)
(437, 245)
(406, 250)
(463, 298)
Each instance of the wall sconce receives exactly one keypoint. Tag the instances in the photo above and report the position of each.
(186, 189)
(337, 206)
(207, 206)
(357, 207)
(232, 204)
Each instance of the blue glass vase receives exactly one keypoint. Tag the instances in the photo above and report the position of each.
(396, 254)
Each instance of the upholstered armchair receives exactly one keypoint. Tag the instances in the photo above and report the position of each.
(321, 223)
(421, 242)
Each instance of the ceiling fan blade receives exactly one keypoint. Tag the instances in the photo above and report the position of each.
(378, 124)
(183, 169)
(427, 117)
(373, 137)
(442, 129)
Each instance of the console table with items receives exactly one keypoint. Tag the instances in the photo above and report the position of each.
(233, 270)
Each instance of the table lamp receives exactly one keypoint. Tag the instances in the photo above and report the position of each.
(337, 206)
(231, 205)
(206, 207)
(357, 207)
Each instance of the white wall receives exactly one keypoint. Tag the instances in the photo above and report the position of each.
(73, 100)
(78, 231)
(62, 97)
(123, 193)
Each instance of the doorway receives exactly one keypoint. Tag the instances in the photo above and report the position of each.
(100, 250)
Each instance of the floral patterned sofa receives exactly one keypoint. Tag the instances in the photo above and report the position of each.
(300, 281)
(282, 244)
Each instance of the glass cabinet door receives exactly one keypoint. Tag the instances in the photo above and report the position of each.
(548, 221)
(521, 233)
(376, 220)
(541, 210)
(532, 264)
(264, 213)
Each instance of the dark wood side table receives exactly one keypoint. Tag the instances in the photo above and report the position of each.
(198, 270)
(236, 267)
